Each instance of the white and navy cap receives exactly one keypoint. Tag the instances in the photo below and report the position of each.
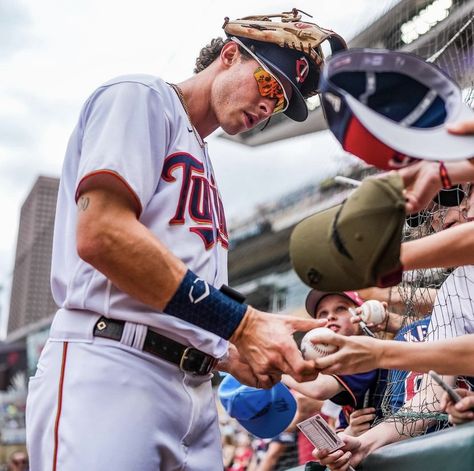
(299, 70)
(391, 107)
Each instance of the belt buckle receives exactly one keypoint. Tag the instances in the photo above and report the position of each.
(205, 367)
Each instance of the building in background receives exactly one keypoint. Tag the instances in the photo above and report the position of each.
(31, 300)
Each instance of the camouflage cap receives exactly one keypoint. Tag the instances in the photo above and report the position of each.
(356, 244)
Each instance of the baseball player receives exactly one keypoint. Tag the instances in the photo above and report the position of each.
(139, 263)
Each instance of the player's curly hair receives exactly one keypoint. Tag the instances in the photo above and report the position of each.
(210, 53)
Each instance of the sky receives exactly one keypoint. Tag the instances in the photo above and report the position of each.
(54, 53)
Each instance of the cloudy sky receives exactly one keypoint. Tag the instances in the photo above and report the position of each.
(54, 53)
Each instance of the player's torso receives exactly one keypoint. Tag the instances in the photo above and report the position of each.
(184, 212)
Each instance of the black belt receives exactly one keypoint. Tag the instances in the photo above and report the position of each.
(187, 358)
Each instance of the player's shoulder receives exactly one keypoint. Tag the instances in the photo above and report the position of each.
(139, 83)
(131, 89)
(151, 81)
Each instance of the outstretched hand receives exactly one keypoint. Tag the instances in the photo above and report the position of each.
(265, 342)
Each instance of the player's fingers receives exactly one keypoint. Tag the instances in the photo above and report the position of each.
(265, 381)
(304, 325)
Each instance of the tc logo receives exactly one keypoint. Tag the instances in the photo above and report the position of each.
(302, 69)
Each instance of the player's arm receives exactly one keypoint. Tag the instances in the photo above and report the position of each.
(322, 388)
(112, 239)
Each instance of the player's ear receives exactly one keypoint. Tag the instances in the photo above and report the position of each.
(229, 53)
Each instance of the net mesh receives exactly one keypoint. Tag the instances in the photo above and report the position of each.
(428, 291)
(450, 48)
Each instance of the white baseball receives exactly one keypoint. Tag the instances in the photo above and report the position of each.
(312, 351)
(373, 312)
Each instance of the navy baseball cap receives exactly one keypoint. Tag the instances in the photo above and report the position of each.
(390, 108)
(263, 412)
(293, 66)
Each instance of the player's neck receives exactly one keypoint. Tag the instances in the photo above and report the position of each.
(196, 93)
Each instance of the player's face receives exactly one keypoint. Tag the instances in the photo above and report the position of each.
(244, 96)
(335, 309)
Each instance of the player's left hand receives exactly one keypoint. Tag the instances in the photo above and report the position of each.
(265, 342)
(462, 411)
(241, 370)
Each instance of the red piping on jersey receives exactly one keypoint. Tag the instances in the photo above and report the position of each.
(60, 405)
(347, 388)
(118, 177)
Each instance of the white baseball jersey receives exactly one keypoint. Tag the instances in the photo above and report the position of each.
(453, 312)
(135, 127)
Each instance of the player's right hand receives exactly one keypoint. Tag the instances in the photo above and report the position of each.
(341, 460)
(265, 341)
(462, 411)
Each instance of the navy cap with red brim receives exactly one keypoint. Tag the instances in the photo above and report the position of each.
(390, 107)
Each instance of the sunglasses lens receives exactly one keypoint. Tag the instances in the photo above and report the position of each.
(269, 87)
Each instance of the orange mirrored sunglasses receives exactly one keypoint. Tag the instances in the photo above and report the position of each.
(270, 87)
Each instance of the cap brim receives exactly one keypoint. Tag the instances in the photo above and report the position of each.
(297, 109)
(310, 248)
(315, 296)
(278, 417)
(421, 143)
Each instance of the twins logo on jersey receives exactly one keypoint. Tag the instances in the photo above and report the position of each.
(198, 198)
